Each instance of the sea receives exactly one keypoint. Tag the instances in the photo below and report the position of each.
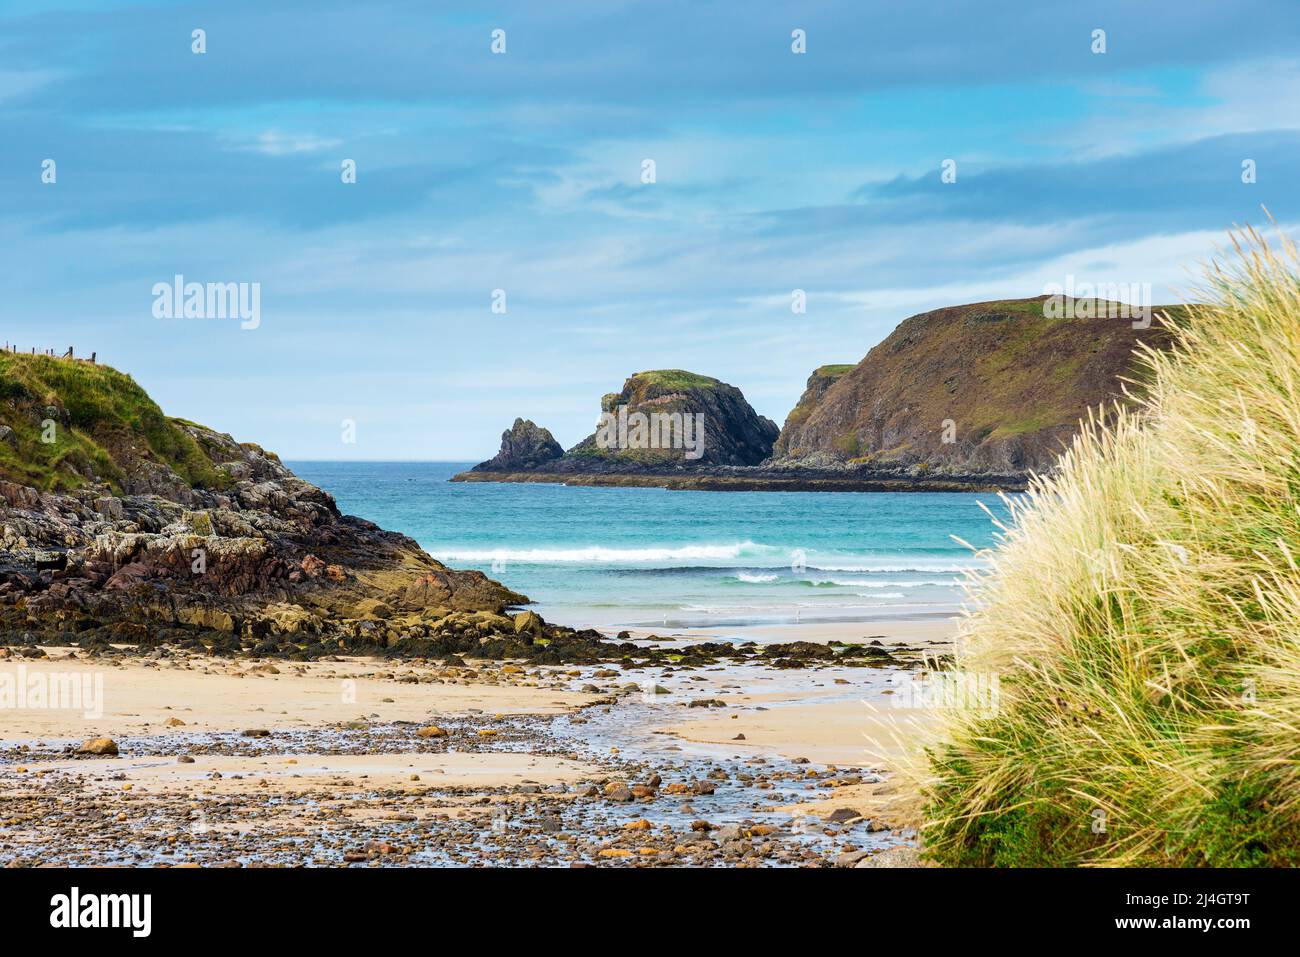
(719, 563)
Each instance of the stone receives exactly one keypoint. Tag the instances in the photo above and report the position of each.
(842, 815)
(101, 747)
(893, 857)
(200, 523)
(618, 792)
(528, 623)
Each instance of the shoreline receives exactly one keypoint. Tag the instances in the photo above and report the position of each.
(755, 479)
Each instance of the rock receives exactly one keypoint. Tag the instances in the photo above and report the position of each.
(255, 733)
(200, 523)
(618, 792)
(372, 608)
(9, 438)
(525, 446)
(528, 623)
(431, 731)
(850, 858)
(800, 651)
(842, 815)
(102, 747)
(739, 737)
(204, 616)
(894, 857)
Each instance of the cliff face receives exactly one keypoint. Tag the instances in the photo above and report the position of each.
(992, 387)
(661, 420)
(818, 384)
(118, 523)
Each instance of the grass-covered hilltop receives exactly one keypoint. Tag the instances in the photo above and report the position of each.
(1141, 614)
(68, 423)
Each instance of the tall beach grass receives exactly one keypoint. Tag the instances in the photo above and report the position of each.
(1142, 614)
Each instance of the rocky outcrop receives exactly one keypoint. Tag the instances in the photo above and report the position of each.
(664, 421)
(525, 445)
(988, 388)
(237, 552)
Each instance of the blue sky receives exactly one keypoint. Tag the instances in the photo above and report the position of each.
(522, 172)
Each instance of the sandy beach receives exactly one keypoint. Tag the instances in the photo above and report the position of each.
(352, 760)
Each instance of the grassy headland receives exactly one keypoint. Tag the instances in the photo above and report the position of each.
(75, 421)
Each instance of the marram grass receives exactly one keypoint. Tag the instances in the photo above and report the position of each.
(1142, 612)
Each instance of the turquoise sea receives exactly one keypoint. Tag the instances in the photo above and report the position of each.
(651, 558)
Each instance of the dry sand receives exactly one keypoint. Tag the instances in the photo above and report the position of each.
(341, 773)
(140, 696)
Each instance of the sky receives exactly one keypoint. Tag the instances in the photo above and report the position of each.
(523, 171)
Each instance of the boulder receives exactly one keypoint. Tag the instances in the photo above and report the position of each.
(99, 747)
